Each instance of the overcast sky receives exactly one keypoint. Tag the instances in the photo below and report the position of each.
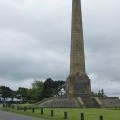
(35, 42)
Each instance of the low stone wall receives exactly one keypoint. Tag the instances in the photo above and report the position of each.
(78, 102)
(110, 102)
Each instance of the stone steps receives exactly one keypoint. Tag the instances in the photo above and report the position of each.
(90, 103)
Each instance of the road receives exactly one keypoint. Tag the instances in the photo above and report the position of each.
(12, 116)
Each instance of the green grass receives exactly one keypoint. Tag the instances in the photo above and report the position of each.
(73, 114)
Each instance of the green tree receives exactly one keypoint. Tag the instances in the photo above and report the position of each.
(52, 87)
(6, 92)
(48, 88)
(102, 93)
(99, 94)
(37, 90)
(22, 93)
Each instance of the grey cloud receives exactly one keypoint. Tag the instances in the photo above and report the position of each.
(35, 41)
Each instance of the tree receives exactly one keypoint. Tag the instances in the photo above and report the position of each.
(31, 95)
(52, 87)
(102, 93)
(21, 93)
(37, 89)
(99, 94)
(48, 88)
(58, 86)
(6, 92)
(37, 85)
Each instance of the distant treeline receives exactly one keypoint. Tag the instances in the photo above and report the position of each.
(37, 92)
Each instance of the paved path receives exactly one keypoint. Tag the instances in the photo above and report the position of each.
(12, 116)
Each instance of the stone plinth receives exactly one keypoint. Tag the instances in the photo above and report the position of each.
(78, 86)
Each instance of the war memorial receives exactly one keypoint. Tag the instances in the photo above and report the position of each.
(78, 85)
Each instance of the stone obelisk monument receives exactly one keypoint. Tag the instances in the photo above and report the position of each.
(78, 86)
(78, 83)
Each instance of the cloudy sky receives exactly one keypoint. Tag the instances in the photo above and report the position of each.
(35, 42)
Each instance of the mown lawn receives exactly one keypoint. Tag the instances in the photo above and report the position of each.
(73, 114)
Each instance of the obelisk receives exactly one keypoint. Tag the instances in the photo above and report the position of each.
(78, 83)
